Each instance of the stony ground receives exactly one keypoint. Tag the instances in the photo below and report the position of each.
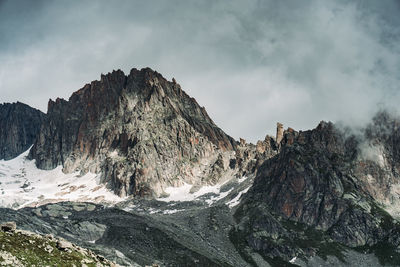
(197, 235)
(23, 248)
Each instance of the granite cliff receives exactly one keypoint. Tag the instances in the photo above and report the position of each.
(19, 125)
(142, 132)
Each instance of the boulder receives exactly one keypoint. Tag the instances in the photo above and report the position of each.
(64, 245)
(8, 227)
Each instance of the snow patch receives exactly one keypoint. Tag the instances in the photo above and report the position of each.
(241, 180)
(183, 193)
(171, 211)
(23, 184)
(236, 200)
(214, 199)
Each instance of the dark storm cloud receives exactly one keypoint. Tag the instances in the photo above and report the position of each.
(250, 63)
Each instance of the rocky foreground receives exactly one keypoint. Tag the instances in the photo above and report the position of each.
(19, 248)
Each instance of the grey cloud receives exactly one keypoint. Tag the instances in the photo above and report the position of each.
(250, 63)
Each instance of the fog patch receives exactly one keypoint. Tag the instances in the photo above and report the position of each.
(374, 153)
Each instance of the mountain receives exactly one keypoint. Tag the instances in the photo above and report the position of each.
(321, 197)
(139, 135)
(327, 190)
(142, 132)
(19, 125)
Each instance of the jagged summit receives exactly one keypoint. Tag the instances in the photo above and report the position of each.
(326, 185)
(19, 125)
(140, 131)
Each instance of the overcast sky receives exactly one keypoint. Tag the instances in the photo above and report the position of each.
(250, 63)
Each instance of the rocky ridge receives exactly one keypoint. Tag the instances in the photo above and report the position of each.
(326, 190)
(142, 132)
(19, 125)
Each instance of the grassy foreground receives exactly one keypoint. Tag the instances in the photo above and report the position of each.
(21, 248)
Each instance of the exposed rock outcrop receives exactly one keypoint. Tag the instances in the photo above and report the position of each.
(279, 132)
(142, 132)
(325, 185)
(19, 125)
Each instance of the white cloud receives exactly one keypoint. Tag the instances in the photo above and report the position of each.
(250, 63)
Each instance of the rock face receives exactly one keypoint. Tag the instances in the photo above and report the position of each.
(326, 186)
(378, 165)
(279, 132)
(142, 132)
(19, 125)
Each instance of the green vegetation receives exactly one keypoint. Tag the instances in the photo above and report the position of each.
(34, 250)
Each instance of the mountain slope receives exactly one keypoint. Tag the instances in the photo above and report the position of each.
(22, 248)
(140, 131)
(321, 194)
(23, 184)
(19, 125)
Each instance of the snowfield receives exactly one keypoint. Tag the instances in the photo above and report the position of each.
(22, 184)
(208, 194)
(184, 193)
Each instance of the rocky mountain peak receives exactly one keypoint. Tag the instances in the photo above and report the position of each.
(142, 132)
(19, 125)
(341, 182)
